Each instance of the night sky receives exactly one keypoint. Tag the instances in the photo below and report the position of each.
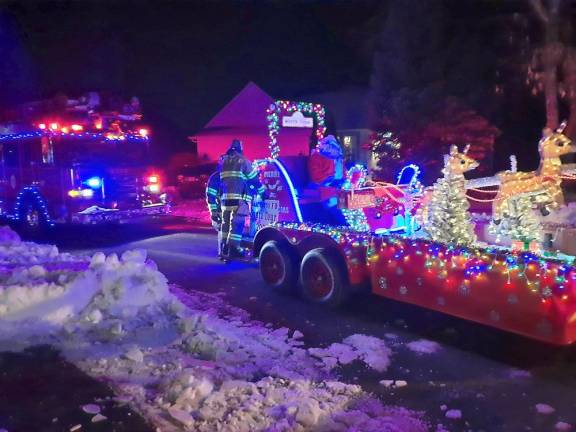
(184, 59)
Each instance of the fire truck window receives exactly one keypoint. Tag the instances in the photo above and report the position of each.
(10, 154)
(31, 152)
(94, 152)
(47, 150)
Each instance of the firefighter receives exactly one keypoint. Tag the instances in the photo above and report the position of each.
(213, 201)
(237, 181)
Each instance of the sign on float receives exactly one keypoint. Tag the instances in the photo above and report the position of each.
(297, 120)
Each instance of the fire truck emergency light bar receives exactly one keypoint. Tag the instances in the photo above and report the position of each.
(108, 136)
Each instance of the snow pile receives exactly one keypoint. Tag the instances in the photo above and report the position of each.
(221, 371)
(34, 282)
(45, 292)
(372, 351)
(186, 361)
(8, 236)
(282, 405)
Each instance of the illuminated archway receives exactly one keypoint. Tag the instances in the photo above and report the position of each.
(280, 107)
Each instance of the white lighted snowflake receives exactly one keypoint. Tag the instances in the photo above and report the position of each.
(382, 283)
(494, 316)
(464, 290)
(544, 327)
(403, 290)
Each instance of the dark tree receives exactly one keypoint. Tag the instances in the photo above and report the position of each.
(433, 74)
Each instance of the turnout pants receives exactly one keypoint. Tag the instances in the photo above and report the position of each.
(234, 214)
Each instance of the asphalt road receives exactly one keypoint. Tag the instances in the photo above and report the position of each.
(494, 378)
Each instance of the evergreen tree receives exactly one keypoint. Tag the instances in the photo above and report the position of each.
(520, 221)
(444, 215)
(448, 220)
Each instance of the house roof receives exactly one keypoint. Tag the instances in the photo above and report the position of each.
(246, 109)
(349, 107)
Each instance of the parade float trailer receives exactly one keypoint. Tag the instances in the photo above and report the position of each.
(421, 246)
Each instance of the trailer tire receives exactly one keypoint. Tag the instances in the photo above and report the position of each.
(278, 265)
(322, 278)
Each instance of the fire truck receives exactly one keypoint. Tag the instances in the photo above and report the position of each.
(328, 241)
(76, 166)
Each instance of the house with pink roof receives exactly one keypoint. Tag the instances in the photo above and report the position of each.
(244, 117)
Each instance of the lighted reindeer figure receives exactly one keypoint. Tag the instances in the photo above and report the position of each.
(542, 185)
(443, 211)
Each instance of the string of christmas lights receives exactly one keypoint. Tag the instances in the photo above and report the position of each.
(280, 106)
(32, 196)
(461, 266)
(356, 219)
(546, 276)
(355, 177)
(386, 145)
(80, 135)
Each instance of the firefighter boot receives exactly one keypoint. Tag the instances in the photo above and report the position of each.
(236, 252)
(224, 250)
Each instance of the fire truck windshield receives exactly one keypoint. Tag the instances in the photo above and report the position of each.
(108, 152)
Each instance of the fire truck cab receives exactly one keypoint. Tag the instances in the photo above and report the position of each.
(77, 167)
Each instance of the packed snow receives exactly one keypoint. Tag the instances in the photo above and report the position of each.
(454, 414)
(563, 426)
(368, 349)
(184, 360)
(423, 346)
(543, 408)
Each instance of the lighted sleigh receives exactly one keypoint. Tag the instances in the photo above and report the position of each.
(397, 238)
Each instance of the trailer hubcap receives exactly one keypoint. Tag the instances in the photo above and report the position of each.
(32, 217)
(272, 267)
(318, 279)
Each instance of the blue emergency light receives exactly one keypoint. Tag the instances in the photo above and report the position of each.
(94, 182)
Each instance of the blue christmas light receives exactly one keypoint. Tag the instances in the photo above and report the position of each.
(414, 181)
(100, 135)
(293, 193)
(37, 197)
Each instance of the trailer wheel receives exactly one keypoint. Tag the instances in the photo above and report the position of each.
(322, 278)
(278, 265)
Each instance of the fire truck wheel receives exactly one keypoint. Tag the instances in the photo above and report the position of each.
(322, 279)
(278, 265)
(31, 219)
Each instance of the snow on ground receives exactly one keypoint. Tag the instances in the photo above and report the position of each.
(368, 349)
(185, 360)
(423, 346)
(193, 209)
